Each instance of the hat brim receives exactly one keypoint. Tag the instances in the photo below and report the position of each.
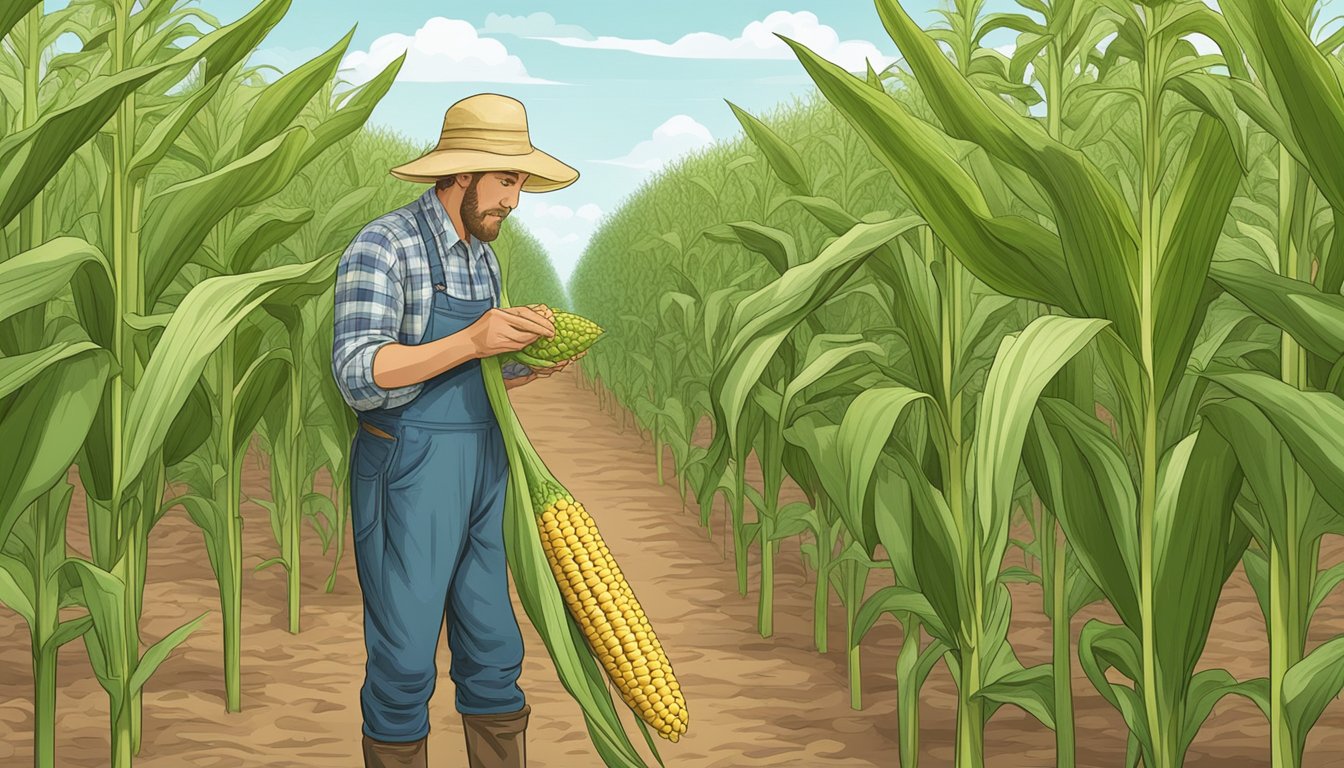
(545, 173)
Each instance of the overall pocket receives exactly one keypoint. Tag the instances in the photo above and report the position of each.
(371, 456)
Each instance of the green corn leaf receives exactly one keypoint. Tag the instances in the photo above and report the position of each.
(158, 652)
(937, 555)
(1209, 687)
(167, 130)
(17, 589)
(13, 11)
(782, 157)
(1309, 422)
(1193, 526)
(1315, 319)
(1324, 584)
(1309, 89)
(36, 276)
(1096, 230)
(191, 428)
(340, 223)
(20, 369)
(68, 631)
(825, 352)
(1103, 646)
(1009, 253)
(1098, 516)
(354, 112)
(776, 245)
(1031, 688)
(864, 431)
(1258, 448)
(894, 600)
(765, 318)
(178, 219)
(43, 429)
(207, 315)
(1192, 221)
(262, 230)
(104, 594)
(1309, 687)
(281, 101)
(30, 158)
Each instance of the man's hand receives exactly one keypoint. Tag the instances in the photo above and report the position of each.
(508, 330)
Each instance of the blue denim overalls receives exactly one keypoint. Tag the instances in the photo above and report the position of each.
(428, 512)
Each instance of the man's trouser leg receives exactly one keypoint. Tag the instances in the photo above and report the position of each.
(483, 632)
(410, 517)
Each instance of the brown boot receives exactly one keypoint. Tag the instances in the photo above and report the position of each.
(497, 741)
(382, 754)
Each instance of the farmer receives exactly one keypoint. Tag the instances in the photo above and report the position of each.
(416, 308)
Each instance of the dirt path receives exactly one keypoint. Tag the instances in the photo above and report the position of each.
(753, 701)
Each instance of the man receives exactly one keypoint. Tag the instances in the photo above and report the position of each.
(415, 311)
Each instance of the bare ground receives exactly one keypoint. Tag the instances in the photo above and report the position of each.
(753, 701)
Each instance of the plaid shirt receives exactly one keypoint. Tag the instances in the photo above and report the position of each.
(383, 295)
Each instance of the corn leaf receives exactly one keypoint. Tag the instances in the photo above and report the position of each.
(1259, 450)
(1308, 87)
(1096, 506)
(1315, 319)
(765, 318)
(1010, 254)
(1191, 224)
(1025, 363)
(262, 230)
(158, 652)
(782, 157)
(207, 315)
(864, 431)
(1309, 422)
(1097, 233)
(1309, 687)
(12, 12)
(354, 113)
(281, 101)
(41, 432)
(178, 219)
(1194, 529)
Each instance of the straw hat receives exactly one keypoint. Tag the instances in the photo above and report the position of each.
(488, 132)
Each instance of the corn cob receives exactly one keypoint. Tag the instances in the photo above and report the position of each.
(601, 601)
(573, 334)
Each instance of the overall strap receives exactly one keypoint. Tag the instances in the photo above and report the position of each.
(432, 251)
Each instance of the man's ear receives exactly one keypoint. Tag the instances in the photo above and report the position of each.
(463, 179)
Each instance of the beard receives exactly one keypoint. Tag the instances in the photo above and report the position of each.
(480, 224)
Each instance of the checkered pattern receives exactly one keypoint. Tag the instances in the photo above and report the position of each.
(383, 295)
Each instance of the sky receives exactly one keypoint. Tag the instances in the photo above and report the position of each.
(614, 89)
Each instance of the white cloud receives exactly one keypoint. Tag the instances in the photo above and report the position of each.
(757, 41)
(540, 209)
(443, 50)
(533, 25)
(677, 136)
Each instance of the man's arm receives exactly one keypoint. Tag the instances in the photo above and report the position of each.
(368, 305)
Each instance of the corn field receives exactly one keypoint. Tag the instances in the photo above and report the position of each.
(1055, 327)
(1075, 306)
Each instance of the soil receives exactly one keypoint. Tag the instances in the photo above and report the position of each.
(753, 701)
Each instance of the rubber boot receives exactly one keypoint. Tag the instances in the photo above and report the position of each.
(382, 754)
(497, 741)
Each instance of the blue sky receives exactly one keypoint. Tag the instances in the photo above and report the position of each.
(614, 89)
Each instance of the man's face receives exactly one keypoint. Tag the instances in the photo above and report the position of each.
(490, 198)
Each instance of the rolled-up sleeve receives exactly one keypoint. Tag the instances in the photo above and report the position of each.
(369, 298)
